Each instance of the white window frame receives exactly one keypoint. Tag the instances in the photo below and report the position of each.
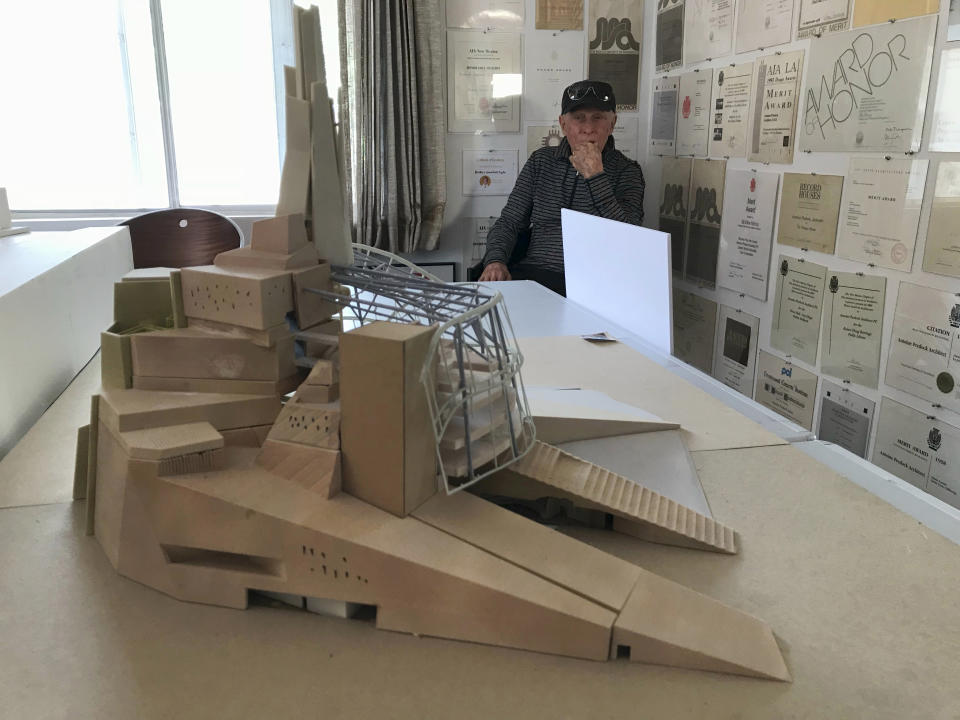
(281, 25)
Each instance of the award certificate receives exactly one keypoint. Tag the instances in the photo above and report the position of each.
(797, 308)
(786, 389)
(735, 354)
(746, 233)
(881, 211)
(852, 326)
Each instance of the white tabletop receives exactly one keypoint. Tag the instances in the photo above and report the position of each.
(536, 311)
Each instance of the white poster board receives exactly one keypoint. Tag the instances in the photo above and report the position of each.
(621, 272)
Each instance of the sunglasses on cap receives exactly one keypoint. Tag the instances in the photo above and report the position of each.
(579, 93)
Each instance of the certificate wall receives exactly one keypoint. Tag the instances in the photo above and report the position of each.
(887, 229)
(789, 220)
(507, 64)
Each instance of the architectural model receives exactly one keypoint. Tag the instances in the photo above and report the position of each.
(205, 478)
(202, 483)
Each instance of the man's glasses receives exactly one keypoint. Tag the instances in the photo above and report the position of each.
(581, 92)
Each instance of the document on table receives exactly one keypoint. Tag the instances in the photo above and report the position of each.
(735, 355)
(730, 110)
(489, 172)
(669, 50)
(809, 211)
(872, 12)
(675, 206)
(764, 23)
(945, 129)
(694, 327)
(797, 307)
(852, 327)
(703, 228)
(707, 30)
(485, 81)
(540, 136)
(663, 126)
(819, 17)
(919, 448)
(776, 91)
(786, 389)
(845, 418)
(485, 14)
(924, 357)
(746, 232)
(615, 29)
(551, 63)
(881, 211)
(867, 89)
(693, 118)
(941, 254)
(559, 15)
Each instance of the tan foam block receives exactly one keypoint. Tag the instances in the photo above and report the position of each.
(665, 623)
(192, 353)
(324, 372)
(315, 468)
(308, 424)
(316, 394)
(271, 533)
(206, 385)
(81, 459)
(170, 441)
(146, 300)
(245, 257)
(312, 309)
(124, 410)
(176, 299)
(116, 365)
(251, 437)
(257, 299)
(263, 338)
(574, 565)
(284, 234)
(106, 494)
(389, 456)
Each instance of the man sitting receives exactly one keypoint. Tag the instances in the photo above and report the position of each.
(585, 173)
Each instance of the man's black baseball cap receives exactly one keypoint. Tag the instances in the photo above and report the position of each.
(588, 94)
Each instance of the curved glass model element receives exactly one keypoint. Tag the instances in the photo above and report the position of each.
(478, 407)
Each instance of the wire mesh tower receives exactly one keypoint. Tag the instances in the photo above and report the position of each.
(478, 407)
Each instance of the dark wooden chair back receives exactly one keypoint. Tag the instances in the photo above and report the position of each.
(181, 237)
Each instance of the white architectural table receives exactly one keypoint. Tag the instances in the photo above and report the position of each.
(56, 296)
(860, 595)
(538, 312)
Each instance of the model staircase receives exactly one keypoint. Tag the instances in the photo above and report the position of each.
(637, 510)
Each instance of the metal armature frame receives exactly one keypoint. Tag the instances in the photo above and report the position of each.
(370, 258)
(478, 406)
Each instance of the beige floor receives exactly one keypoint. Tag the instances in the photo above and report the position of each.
(863, 599)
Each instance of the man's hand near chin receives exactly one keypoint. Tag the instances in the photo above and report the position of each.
(586, 159)
(495, 271)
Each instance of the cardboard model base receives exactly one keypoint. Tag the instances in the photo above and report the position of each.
(457, 567)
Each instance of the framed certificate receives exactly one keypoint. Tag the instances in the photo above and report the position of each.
(484, 81)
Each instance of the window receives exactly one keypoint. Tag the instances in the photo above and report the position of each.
(107, 108)
(80, 126)
(222, 101)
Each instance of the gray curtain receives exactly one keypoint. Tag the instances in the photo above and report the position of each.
(392, 121)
